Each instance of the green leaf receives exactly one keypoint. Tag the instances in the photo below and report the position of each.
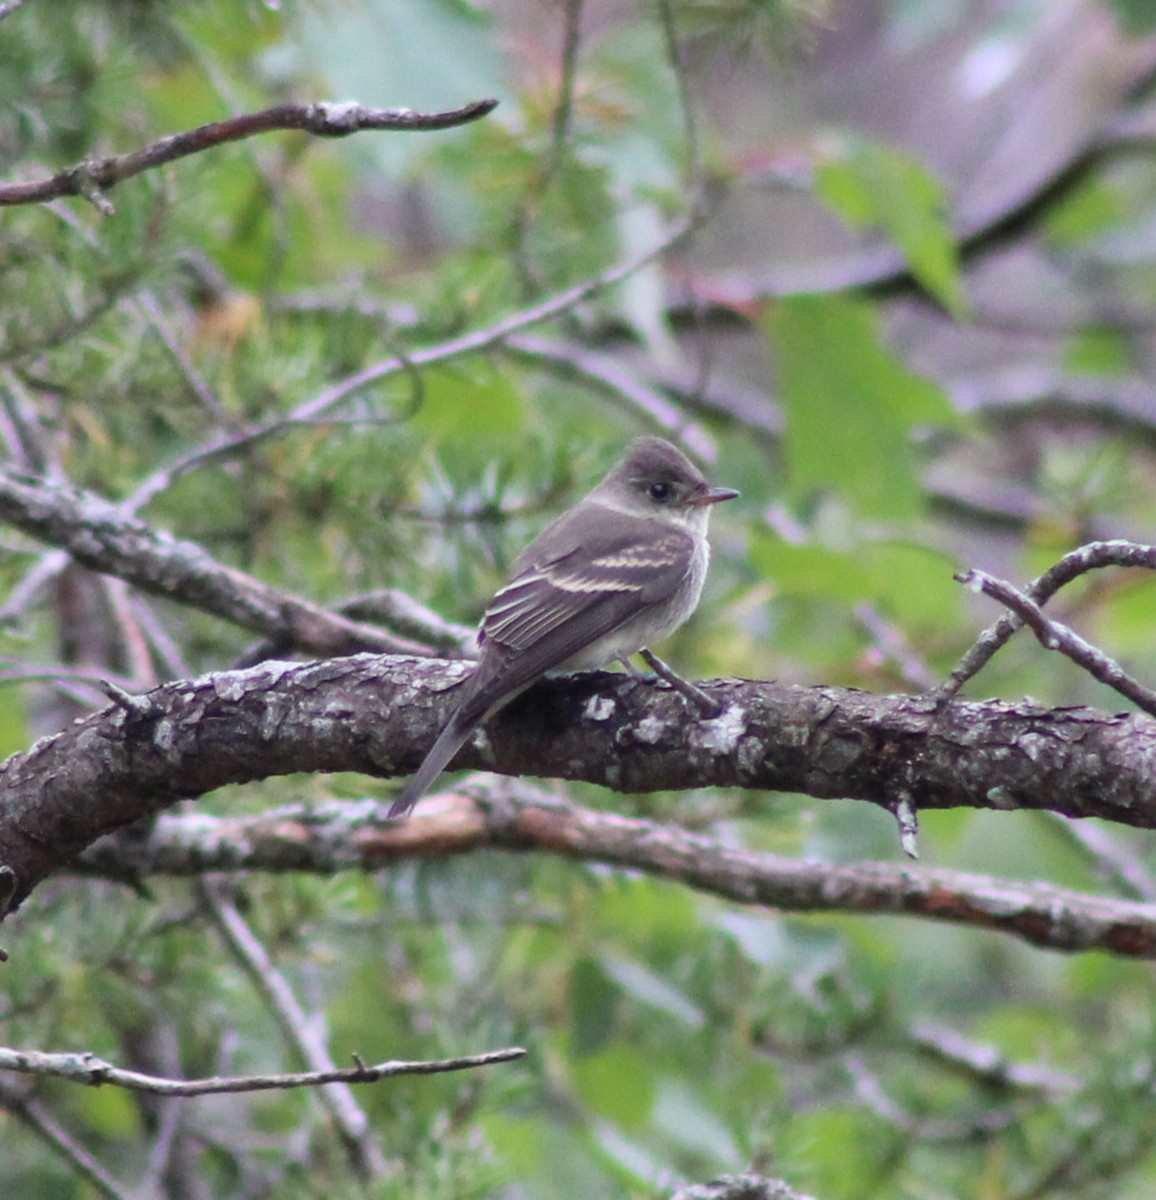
(849, 405)
(593, 1003)
(645, 986)
(1098, 351)
(1137, 17)
(874, 186)
(910, 583)
(837, 1147)
(475, 404)
(1124, 618)
(1084, 214)
(110, 1112)
(681, 1114)
(617, 1083)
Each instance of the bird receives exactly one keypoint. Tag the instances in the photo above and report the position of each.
(621, 569)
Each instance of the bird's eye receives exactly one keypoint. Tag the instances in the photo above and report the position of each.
(661, 491)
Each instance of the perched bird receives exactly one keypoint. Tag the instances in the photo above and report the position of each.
(621, 569)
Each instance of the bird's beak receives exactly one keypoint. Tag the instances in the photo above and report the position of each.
(711, 495)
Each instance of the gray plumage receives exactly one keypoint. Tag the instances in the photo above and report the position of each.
(621, 569)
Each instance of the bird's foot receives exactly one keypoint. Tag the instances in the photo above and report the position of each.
(707, 705)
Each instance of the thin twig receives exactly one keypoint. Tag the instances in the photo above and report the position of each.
(540, 182)
(399, 611)
(610, 375)
(871, 1093)
(491, 335)
(94, 176)
(892, 648)
(676, 59)
(225, 445)
(296, 1027)
(564, 109)
(1053, 635)
(44, 1125)
(986, 1064)
(196, 383)
(1078, 562)
(88, 1069)
(1117, 863)
(57, 673)
(474, 342)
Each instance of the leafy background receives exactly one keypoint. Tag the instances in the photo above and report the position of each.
(915, 328)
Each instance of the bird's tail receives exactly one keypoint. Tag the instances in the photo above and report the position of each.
(450, 741)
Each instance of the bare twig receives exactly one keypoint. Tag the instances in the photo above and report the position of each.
(890, 646)
(88, 1069)
(474, 342)
(83, 688)
(564, 109)
(987, 1064)
(1030, 390)
(195, 382)
(40, 1120)
(1053, 635)
(1079, 562)
(492, 335)
(20, 423)
(98, 534)
(871, 1093)
(298, 1030)
(1117, 863)
(31, 584)
(541, 180)
(399, 611)
(94, 176)
(676, 59)
(610, 375)
(224, 445)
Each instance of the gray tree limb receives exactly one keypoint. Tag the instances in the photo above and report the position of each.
(379, 714)
(100, 535)
(485, 812)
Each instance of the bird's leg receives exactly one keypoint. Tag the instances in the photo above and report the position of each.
(638, 676)
(706, 704)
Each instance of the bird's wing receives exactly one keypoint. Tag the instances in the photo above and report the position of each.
(558, 604)
(602, 579)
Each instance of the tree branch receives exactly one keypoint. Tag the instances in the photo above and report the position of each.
(303, 1034)
(378, 715)
(228, 443)
(610, 375)
(1054, 636)
(1090, 557)
(491, 814)
(94, 176)
(100, 535)
(44, 1124)
(88, 1069)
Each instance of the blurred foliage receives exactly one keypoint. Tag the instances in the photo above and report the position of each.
(670, 1035)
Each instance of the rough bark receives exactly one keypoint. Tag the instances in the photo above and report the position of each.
(378, 714)
(99, 535)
